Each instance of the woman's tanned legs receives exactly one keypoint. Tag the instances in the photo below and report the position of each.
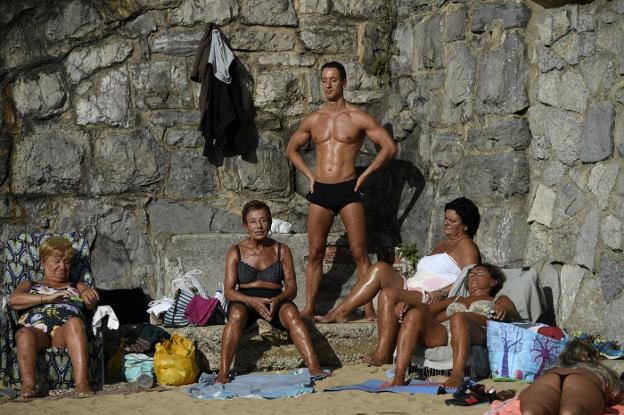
(418, 327)
(300, 336)
(465, 331)
(378, 277)
(388, 324)
(72, 336)
(29, 341)
(237, 317)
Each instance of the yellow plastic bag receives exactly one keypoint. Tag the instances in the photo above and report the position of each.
(174, 361)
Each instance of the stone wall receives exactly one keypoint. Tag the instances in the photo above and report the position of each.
(514, 106)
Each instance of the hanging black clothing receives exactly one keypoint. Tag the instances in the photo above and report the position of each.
(220, 104)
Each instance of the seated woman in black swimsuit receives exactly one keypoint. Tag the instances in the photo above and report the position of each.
(260, 283)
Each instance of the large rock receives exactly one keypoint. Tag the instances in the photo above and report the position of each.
(361, 9)
(456, 24)
(588, 239)
(573, 93)
(511, 13)
(176, 43)
(212, 11)
(460, 79)
(269, 176)
(547, 60)
(428, 49)
(188, 218)
(537, 245)
(501, 133)
(50, 160)
(571, 278)
(503, 235)
(563, 131)
(555, 25)
(183, 137)
(162, 84)
(543, 205)
(275, 90)
(170, 118)
(75, 20)
(598, 73)
(611, 232)
(601, 181)
(588, 313)
(259, 39)
(126, 162)
(107, 101)
(503, 78)
(597, 136)
(41, 96)
(329, 39)
(191, 176)
(314, 7)
(269, 12)
(570, 201)
(494, 177)
(83, 62)
(9, 10)
(403, 41)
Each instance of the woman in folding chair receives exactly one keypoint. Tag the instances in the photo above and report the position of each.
(50, 314)
(458, 321)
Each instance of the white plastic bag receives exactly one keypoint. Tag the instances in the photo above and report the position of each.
(189, 282)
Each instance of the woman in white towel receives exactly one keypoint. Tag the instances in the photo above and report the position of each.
(435, 274)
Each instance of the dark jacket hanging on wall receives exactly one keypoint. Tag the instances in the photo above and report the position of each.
(220, 104)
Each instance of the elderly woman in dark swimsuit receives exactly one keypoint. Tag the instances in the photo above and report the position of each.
(50, 314)
(260, 283)
(458, 321)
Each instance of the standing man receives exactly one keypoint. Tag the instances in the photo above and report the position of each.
(338, 129)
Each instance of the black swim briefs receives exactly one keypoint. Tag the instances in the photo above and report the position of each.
(335, 196)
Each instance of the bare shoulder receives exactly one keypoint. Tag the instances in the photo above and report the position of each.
(359, 113)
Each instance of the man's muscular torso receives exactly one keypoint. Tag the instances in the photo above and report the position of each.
(338, 138)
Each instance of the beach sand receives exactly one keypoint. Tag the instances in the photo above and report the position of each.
(172, 401)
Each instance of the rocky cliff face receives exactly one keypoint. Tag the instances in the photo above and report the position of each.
(514, 106)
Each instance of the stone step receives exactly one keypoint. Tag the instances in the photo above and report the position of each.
(261, 349)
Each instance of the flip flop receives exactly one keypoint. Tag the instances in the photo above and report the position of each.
(474, 395)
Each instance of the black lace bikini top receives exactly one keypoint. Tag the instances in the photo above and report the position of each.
(273, 273)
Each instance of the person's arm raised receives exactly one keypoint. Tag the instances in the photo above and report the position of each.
(298, 140)
(378, 135)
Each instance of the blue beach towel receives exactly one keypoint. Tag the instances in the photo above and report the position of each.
(270, 386)
(413, 388)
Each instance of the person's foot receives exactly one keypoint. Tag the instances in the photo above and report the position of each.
(394, 382)
(319, 374)
(83, 390)
(369, 312)
(331, 317)
(223, 379)
(454, 381)
(305, 313)
(28, 393)
(374, 359)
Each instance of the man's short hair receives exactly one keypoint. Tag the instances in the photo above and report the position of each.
(336, 65)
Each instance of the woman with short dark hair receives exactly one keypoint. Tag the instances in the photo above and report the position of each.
(260, 283)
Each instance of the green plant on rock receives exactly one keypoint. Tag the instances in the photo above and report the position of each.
(409, 254)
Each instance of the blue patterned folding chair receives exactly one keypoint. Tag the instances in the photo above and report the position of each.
(54, 368)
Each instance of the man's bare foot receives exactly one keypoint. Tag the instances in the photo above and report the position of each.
(83, 390)
(394, 382)
(374, 360)
(331, 317)
(223, 379)
(28, 391)
(369, 312)
(454, 381)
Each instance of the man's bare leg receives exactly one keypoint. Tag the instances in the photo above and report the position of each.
(319, 224)
(378, 277)
(352, 216)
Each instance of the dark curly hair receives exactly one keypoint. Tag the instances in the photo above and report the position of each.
(255, 205)
(468, 212)
(497, 274)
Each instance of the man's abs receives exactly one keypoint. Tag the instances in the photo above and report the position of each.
(335, 161)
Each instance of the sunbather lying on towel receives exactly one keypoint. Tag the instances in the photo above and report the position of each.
(260, 283)
(578, 385)
(458, 321)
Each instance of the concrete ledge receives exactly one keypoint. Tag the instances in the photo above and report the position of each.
(264, 349)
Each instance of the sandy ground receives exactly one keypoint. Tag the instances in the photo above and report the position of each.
(170, 401)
